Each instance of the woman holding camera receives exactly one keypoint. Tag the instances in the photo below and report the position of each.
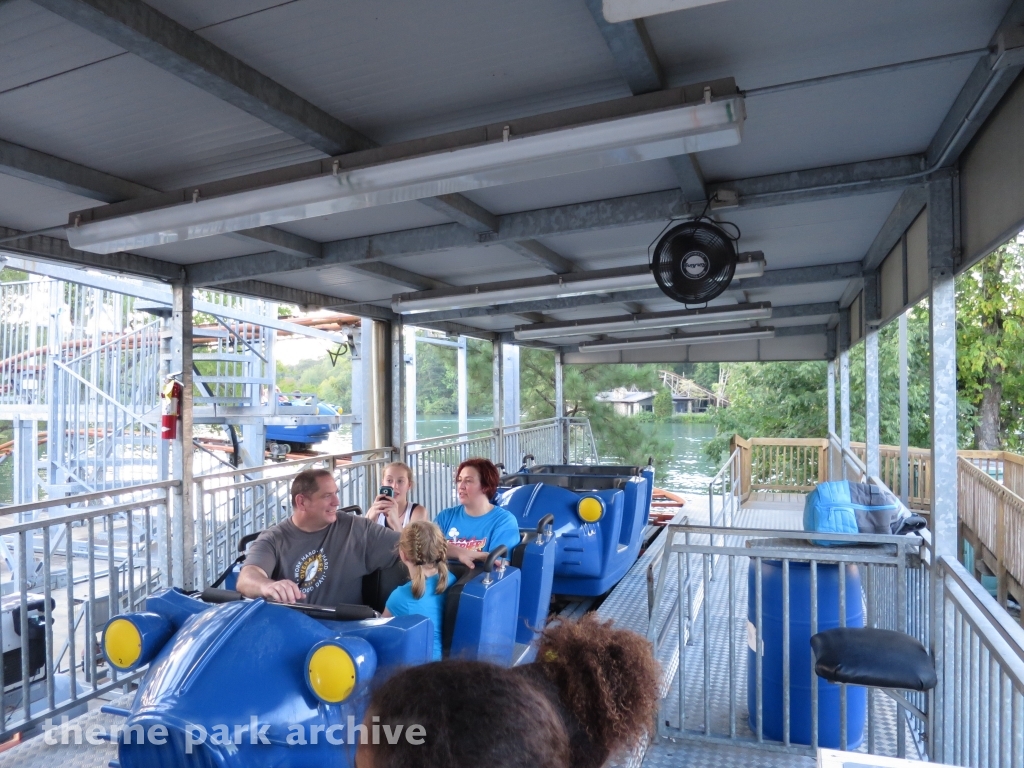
(392, 507)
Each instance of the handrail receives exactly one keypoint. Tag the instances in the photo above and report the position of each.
(293, 463)
(64, 501)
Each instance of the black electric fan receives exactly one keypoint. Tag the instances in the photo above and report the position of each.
(694, 261)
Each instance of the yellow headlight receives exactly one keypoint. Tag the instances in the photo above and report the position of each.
(590, 509)
(122, 643)
(331, 674)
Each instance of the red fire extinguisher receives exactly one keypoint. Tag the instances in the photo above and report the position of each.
(171, 397)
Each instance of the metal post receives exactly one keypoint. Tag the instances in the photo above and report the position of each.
(943, 244)
(831, 396)
(904, 414)
(254, 441)
(498, 398)
(844, 403)
(410, 383)
(463, 386)
(563, 425)
(871, 402)
(511, 384)
(26, 460)
(396, 371)
(183, 526)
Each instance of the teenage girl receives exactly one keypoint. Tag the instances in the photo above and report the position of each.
(424, 551)
(397, 512)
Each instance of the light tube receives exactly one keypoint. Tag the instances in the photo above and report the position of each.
(633, 130)
(677, 339)
(552, 287)
(759, 311)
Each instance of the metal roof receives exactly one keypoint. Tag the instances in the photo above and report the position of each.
(847, 104)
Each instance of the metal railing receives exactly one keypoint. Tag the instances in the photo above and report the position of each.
(92, 557)
(550, 441)
(235, 503)
(727, 489)
(979, 702)
(724, 690)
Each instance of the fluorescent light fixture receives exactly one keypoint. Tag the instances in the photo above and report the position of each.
(761, 310)
(624, 10)
(635, 129)
(677, 339)
(550, 287)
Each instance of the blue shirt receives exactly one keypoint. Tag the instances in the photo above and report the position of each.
(484, 533)
(402, 603)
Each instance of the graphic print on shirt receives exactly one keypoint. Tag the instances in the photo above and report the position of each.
(476, 545)
(311, 570)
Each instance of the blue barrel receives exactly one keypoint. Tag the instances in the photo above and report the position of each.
(829, 708)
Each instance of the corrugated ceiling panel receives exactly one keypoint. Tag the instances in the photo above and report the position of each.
(126, 117)
(27, 205)
(403, 68)
(369, 221)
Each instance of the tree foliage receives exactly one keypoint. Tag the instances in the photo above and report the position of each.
(663, 404)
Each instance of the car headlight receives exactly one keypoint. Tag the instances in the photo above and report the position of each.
(338, 666)
(134, 639)
(590, 509)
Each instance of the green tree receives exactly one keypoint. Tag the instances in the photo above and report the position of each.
(663, 404)
(536, 383)
(332, 383)
(990, 349)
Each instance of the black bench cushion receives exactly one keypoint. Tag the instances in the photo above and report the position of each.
(878, 658)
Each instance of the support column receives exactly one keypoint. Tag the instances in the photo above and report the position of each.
(904, 414)
(182, 512)
(871, 402)
(397, 389)
(844, 404)
(563, 424)
(831, 396)
(26, 460)
(511, 384)
(410, 384)
(498, 398)
(358, 406)
(944, 429)
(379, 390)
(462, 383)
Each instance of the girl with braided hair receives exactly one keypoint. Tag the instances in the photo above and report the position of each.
(424, 550)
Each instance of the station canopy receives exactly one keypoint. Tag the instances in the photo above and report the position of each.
(500, 170)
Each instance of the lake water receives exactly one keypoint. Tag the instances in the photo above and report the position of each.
(689, 470)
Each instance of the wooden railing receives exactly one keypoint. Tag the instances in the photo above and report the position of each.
(919, 494)
(783, 464)
(992, 521)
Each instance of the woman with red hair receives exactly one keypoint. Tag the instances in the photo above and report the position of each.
(476, 524)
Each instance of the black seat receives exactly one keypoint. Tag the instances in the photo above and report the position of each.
(378, 585)
(876, 658)
(463, 575)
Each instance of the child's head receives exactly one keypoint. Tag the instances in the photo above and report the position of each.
(423, 548)
(471, 714)
(607, 677)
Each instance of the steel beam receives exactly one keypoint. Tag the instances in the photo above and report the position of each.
(613, 213)
(907, 208)
(498, 397)
(464, 211)
(844, 403)
(631, 48)
(280, 241)
(57, 173)
(690, 176)
(399, 276)
(55, 249)
(161, 41)
(848, 180)
(988, 82)
(539, 253)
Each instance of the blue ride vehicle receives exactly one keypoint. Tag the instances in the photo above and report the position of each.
(599, 512)
(300, 437)
(249, 683)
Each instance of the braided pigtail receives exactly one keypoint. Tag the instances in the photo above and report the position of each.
(425, 548)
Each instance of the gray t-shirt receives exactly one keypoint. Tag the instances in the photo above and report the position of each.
(329, 564)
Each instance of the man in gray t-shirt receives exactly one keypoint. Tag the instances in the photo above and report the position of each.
(320, 556)
(316, 555)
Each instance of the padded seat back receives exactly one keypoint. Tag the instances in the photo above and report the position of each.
(480, 615)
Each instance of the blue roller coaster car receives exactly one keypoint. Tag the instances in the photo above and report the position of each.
(302, 437)
(599, 511)
(255, 684)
